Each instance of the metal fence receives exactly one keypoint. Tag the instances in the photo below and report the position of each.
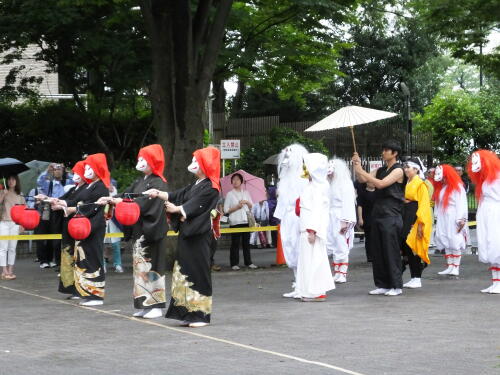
(369, 138)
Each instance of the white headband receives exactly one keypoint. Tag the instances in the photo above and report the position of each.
(417, 167)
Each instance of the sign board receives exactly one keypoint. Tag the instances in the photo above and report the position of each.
(230, 148)
(375, 164)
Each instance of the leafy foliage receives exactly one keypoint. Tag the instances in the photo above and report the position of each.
(463, 26)
(461, 122)
(125, 174)
(57, 131)
(287, 47)
(97, 47)
(385, 50)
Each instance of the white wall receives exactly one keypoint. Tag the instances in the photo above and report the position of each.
(50, 83)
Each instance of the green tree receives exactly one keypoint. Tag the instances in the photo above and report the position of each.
(461, 122)
(285, 47)
(463, 26)
(58, 131)
(97, 47)
(386, 49)
(186, 37)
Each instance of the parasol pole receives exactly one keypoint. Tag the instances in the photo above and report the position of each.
(353, 139)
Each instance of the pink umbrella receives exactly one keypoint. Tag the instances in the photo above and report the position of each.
(253, 184)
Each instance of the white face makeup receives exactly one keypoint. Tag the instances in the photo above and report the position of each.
(476, 162)
(194, 167)
(438, 174)
(89, 173)
(76, 178)
(286, 159)
(142, 164)
(331, 168)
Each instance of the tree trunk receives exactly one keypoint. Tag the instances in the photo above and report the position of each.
(237, 105)
(219, 103)
(184, 51)
(185, 46)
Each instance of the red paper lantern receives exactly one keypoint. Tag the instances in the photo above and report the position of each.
(16, 212)
(79, 227)
(30, 218)
(127, 212)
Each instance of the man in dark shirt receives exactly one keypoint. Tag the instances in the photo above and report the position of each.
(464, 177)
(365, 200)
(387, 219)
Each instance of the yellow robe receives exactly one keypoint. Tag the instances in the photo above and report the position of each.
(416, 190)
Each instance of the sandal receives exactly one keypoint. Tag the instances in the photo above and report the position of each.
(4, 277)
(11, 277)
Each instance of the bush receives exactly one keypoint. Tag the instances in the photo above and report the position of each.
(125, 174)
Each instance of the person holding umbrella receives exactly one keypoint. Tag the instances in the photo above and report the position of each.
(387, 219)
(238, 205)
(8, 198)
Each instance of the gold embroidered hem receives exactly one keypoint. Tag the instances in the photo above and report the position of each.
(83, 280)
(187, 297)
(149, 286)
(67, 263)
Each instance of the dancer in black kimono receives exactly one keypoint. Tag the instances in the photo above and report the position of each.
(88, 253)
(71, 199)
(190, 208)
(149, 234)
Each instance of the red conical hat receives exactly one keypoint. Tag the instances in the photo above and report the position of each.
(79, 169)
(154, 155)
(490, 170)
(98, 163)
(209, 160)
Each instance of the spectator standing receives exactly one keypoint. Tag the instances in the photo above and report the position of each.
(216, 214)
(50, 184)
(112, 226)
(238, 206)
(8, 198)
(272, 201)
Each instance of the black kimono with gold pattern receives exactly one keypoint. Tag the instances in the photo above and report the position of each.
(88, 253)
(191, 278)
(67, 277)
(149, 236)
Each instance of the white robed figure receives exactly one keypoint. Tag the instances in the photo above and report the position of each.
(452, 212)
(314, 275)
(340, 237)
(484, 171)
(290, 186)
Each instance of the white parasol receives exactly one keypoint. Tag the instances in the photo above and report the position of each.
(350, 116)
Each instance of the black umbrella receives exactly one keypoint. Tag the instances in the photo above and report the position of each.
(11, 166)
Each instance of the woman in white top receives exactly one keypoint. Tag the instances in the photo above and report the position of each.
(237, 205)
(9, 198)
